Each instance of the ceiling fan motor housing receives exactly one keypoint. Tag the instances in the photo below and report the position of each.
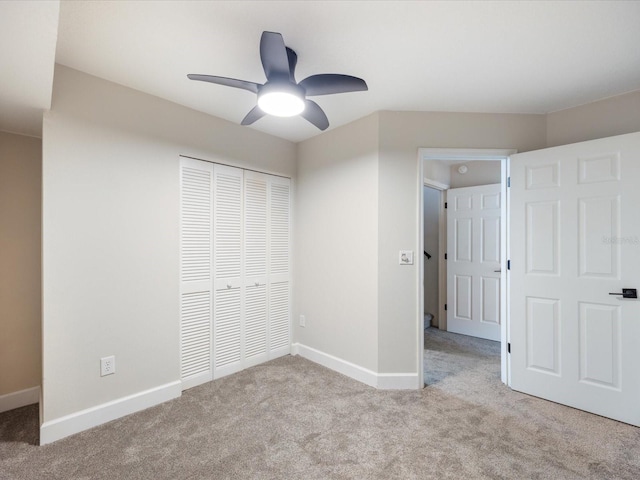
(281, 98)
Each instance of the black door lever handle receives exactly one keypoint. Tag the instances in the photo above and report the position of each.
(627, 293)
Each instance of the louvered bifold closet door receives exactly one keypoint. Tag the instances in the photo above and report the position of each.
(228, 328)
(255, 268)
(279, 278)
(196, 179)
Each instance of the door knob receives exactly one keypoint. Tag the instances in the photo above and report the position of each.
(627, 293)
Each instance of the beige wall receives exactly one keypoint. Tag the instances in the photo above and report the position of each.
(336, 235)
(111, 233)
(110, 229)
(401, 134)
(20, 260)
(605, 118)
(483, 172)
(360, 182)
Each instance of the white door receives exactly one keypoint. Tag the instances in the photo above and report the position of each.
(228, 287)
(574, 239)
(196, 182)
(279, 279)
(235, 280)
(473, 261)
(255, 267)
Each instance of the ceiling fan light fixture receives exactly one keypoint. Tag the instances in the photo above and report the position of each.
(282, 96)
(284, 100)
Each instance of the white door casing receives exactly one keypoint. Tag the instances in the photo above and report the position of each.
(473, 261)
(574, 238)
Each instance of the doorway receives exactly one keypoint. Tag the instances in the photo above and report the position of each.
(437, 167)
(434, 237)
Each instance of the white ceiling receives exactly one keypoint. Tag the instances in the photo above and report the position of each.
(516, 57)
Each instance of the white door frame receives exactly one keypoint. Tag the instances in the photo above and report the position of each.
(468, 155)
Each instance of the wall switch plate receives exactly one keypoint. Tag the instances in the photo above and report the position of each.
(406, 257)
(107, 365)
(303, 321)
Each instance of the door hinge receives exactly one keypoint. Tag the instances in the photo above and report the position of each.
(508, 264)
(445, 204)
(508, 348)
(508, 181)
(445, 256)
(445, 306)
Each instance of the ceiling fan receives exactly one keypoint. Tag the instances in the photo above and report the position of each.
(281, 95)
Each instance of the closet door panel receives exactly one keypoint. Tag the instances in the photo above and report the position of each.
(227, 224)
(196, 182)
(279, 320)
(279, 210)
(234, 269)
(255, 267)
(255, 226)
(228, 331)
(279, 267)
(255, 308)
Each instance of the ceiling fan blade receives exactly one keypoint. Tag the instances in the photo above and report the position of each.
(229, 82)
(293, 61)
(273, 54)
(328, 83)
(255, 114)
(314, 114)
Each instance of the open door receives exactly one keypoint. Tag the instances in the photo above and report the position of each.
(474, 258)
(575, 245)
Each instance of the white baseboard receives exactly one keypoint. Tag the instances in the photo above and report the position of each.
(383, 381)
(19, 399)
(399, 381)
(334, 363)
(94, 416)
(196, 380)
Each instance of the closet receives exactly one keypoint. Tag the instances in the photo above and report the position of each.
(234, 269)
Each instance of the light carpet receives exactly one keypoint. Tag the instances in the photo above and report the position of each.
(293, 419)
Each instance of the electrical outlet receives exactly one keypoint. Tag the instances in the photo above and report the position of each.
(303, 321)
(107, 365)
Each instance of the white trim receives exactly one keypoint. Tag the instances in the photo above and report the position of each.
(420, 273)
(465, 154)
(442, 263)
(427, 182)
(504, 276)
(383, 381)
(195, 380)
(18, 399)
(337, 364)
(400, 381)
(94, 416)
